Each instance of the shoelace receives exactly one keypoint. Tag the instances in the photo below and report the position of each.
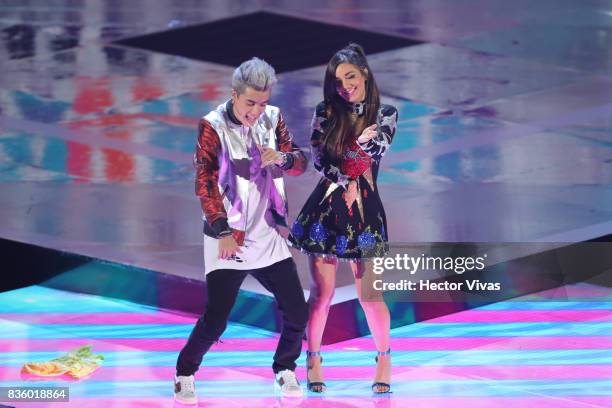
(187, 385)
(289, 378)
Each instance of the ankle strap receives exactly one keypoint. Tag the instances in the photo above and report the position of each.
(313, 353)
(384, 353)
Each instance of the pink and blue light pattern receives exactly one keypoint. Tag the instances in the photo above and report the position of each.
(550, 349)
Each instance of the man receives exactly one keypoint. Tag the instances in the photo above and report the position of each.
(243, 150)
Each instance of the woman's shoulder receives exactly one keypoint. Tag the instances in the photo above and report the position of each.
(321, 109)
(319, 120)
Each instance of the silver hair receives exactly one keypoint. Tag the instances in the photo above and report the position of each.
(255, 73)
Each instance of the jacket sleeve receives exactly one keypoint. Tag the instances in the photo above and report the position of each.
(317, 148)
(206, 163)
(295, 160)
(378, 145)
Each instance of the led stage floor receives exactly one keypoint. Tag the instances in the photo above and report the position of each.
(551, 349)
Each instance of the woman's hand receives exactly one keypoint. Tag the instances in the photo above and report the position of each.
(228, 247)
(367, 134)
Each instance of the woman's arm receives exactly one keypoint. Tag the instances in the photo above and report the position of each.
(377, 146)
(317, 148)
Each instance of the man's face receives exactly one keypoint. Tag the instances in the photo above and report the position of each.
(249, 105)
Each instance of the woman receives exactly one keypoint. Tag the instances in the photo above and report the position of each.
(344, 218)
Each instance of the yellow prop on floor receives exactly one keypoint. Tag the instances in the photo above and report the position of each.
(78, 363)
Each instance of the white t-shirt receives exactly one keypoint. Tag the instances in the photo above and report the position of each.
(263, 245)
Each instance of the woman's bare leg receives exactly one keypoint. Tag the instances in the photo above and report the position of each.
(377, 316)
(323, 282)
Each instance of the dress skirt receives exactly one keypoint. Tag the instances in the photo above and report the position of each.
(327, 226)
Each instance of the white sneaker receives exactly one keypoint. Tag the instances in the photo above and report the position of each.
(184, 390)
(287, 384)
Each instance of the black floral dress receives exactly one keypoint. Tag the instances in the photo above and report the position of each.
(327, 226)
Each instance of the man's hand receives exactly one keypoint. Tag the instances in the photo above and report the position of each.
(270, 156)
(228, 247)
(367, 134)
(283, 231)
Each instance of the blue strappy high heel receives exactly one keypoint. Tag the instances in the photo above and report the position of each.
(316, 386)
(377, 386)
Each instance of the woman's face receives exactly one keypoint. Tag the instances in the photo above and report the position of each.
(350, 83)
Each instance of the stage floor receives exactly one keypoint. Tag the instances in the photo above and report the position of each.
(504, 123)
(550, 349)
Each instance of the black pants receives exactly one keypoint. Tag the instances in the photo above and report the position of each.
(282, 281)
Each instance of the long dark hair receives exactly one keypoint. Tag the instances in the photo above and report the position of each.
(340, 131)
